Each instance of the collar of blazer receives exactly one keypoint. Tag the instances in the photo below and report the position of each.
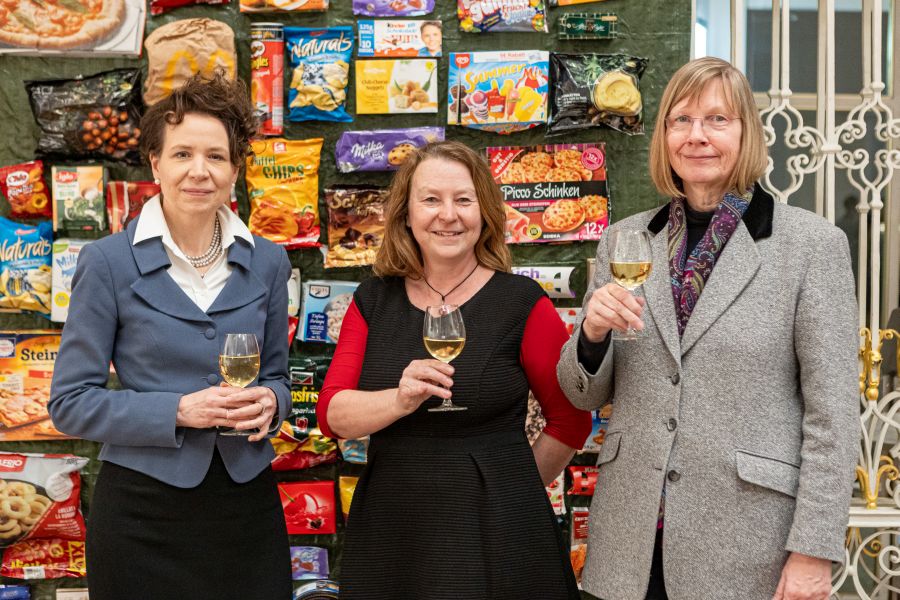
(159, 290)
(734, 269)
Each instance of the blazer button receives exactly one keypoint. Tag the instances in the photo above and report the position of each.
(675, 378)
(672, 425)
(673, 476)
(580, 386)
(212, 379)
(210, 333)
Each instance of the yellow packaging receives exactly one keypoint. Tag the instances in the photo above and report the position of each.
(390, 86)
(26, 368)
(348, 487)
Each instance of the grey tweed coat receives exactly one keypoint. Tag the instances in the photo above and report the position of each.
(750, 420)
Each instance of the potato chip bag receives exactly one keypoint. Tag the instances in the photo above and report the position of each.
(25, 256)
(320, 63)
(25, 189)
(283, 186)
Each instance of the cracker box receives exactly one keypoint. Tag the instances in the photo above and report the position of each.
(26, 368)
(78, 200)
(324, 305)
(65, 258)
(399, 38)
(389, 86)
(503, 91)
(553, 193)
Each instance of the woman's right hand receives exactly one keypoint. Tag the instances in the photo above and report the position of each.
(421, 380)
(611, 307)
(210, 407)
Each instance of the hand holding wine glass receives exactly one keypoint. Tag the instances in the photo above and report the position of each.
(239, 366)
(445, 337)
(630, 262)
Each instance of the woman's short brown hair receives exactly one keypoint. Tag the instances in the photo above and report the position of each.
(217, 96)
(688, 83)
(400, 254)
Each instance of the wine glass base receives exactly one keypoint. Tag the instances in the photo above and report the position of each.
(628, 335)
(235, 432)
(443, 408)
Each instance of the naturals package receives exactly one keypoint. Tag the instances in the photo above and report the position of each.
(502, 91)
(324, 305)
(25, 252)
(26, 368)
(389, 86)
(399, 38)
(78, 200)
(283, 186)
(320, 72)
(65, 258)
(553, 193)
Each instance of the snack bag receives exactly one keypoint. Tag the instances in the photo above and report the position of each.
(25, 190)
(65, 258)
(44, 559)
(320, 62)
(355, 451)
(481, 16)
(347, 486)
(40, 497)
(587, 26)
(396, 85)
(309, 506)
(283, 186)
(595, 90)
(78, 201)
(392, 8)
(399, 38)
(158, 7)
(124, 201)
(309, 562)
(293, 454)
(26, 363)
(25, 253)
(91, 117)
(381, 149)
(355, 225)
(252, 6)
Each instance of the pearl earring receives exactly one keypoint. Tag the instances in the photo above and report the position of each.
(156, 180)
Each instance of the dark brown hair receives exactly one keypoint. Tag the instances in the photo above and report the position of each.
(217, 96)
(400, 254)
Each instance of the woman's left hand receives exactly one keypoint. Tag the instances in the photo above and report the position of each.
(254, 408)
(804, 578)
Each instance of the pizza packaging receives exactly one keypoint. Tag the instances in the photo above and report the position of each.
(90, 117)
(324, 305)
(553, 279)
(502, 91)
(40, 497)
(381, 149)
(26, 191)
(78, 198)
(346, 486)
(599, 423)
(309, 562)
(399, 39)
(44, 559)
(396, 85)
(113, 28)
(320, 72)
(25, 266)
(309, 506)
(556, 496)
(482, 16)
(158, 7)
(587, 26)
(283, 186)
(596, 90)
(553, 193)
(584, 480)
(256, 6)
(26, 363)
(65, 258)
(124, 201)
(392, 8)
(181, 49)
(355, 225)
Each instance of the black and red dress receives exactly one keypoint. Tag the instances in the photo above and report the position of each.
(451, 505)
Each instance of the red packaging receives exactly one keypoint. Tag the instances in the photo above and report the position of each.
(291, 454)
(267, 76)
(44, 559)
(584, 479)
(125, 199)
(25, 189)
(309, 506)
(158, 7)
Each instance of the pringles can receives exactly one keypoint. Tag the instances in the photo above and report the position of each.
(267, 76)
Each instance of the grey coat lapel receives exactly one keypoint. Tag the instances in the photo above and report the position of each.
(658, 292)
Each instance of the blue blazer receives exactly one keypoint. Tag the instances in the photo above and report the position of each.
(127, 309)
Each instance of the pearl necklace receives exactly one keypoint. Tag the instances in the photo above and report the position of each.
(210, 256)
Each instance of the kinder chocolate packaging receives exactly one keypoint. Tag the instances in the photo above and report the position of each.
(25, 255)
(324, 305)
(309, 506)
(381, 149)
(26, 368)
(25, 190)
(78, 202)
(553, 193)
(43, 559)
(65, 258)
(481, 16)
(283, 186)
(124, 201)
(309, 562)
(584, 479)
(320, 63)
(40, 497)
(355, 225)
(392, 8)
(399, 38)
(251, 6)
(389, 86)
(502, 91)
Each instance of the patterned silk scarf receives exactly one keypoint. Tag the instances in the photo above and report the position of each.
(689, 273)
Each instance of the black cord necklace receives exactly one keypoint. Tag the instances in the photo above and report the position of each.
(444, 296)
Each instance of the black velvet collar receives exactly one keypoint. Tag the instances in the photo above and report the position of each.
(757, 218)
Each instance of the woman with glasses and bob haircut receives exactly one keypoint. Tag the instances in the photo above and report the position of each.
(728, 461)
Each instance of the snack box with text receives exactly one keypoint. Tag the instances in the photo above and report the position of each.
(324, 305)
(396, 85)
(65, 259)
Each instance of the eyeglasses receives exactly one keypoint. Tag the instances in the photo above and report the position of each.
(683, 123)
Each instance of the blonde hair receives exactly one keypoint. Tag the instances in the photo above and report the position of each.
(400, 254)
(688, 83)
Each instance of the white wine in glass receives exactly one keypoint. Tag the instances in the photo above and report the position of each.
(445, 337)
(239, 366)
(630, 263)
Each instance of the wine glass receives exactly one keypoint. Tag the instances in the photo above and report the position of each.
(445, 337)
(630, 262)
(239, 366)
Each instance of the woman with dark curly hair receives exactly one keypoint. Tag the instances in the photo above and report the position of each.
(181, 509)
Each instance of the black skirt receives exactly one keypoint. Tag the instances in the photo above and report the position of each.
(220, 540)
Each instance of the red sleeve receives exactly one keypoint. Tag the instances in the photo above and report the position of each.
(346, 366)
(542, 342)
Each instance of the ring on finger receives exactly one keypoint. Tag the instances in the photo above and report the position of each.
(227, 415)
